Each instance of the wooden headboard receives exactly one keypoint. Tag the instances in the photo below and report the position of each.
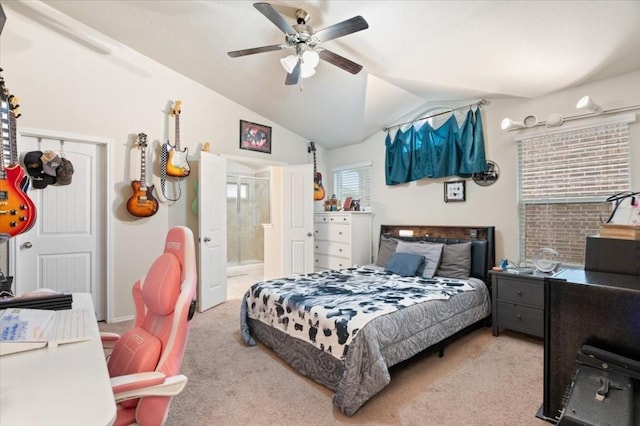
(482, 238)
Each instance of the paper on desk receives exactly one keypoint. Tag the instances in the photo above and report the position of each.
(24, 325)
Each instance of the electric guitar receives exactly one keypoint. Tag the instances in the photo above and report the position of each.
(177, 164)
(318, 190)
(17, 210)
(142, 203)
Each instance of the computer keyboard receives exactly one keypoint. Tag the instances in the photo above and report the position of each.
(70, 325)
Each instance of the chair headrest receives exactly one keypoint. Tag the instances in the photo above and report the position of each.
(161, 287)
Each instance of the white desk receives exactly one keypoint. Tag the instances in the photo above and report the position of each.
(68, 384)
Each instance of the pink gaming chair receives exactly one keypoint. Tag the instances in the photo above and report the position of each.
(144, 364)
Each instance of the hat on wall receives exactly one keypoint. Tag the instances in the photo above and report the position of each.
(50, 162)
(42, 181)
(64, 172)
(33, 163)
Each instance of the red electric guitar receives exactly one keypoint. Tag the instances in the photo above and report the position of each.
(142, 203)
(17, 210)
(318, 190)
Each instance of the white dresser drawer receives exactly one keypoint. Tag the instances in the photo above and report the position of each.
(332, 248)
(332, 232)
(332, 218)
(331, 262)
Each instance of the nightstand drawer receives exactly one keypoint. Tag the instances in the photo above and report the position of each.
(521, 318)
(521, 292)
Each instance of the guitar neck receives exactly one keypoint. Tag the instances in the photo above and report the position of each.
(177, 132)
(6, 141)
(143, 165)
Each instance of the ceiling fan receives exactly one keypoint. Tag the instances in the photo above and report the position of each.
(305, 42)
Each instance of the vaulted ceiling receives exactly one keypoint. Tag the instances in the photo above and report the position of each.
(415, 54)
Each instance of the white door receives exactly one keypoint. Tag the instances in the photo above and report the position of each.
(66, 248)
(212, 241)
(297, 229)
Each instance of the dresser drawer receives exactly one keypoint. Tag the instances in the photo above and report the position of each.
(332, 218)
(332, 248)
(521, 318)
(331, 232)
(521, 292)
(331, 262)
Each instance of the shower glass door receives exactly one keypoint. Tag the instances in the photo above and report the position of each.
(247, 209)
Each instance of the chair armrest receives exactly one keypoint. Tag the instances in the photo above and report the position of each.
(153, 383)
(106, 336)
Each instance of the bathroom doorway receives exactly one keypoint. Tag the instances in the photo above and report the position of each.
(248, 208)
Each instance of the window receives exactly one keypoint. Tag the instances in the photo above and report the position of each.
(564, 179)
(353, 180)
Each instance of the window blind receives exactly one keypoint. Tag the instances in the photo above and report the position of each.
(353, 181)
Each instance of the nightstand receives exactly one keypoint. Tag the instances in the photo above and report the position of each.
(518, 302)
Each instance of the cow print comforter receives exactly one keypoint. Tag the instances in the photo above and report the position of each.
(329, 308)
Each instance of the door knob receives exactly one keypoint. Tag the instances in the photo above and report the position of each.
(27, 245)
(206, 239)
(309, 234)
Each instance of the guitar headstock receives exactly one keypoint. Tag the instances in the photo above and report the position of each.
(312, 147)
(11, 100)
(177, 105)
(142, 140)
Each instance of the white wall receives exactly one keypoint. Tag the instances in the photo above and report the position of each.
(422, 203)
(71, 79)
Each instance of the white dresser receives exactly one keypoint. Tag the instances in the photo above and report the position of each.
(342, 239)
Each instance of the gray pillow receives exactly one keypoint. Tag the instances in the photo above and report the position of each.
(386, 250)
(405, 264)
(431, 252)
(456, 261)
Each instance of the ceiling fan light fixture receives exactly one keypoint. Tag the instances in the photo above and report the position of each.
(587, 104)
(289, 63)
(509, 124)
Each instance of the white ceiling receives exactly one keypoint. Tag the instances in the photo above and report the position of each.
(416, 54)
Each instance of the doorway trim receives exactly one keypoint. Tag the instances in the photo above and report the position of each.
(107, 144)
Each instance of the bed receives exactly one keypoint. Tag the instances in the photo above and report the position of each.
(346, 328)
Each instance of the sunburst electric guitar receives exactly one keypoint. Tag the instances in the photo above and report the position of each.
(177, 164)
(17, 210)
(318, 190)
(142, 203)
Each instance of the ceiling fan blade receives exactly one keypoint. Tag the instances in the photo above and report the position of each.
(267, 10)
(294, 76)
(339, 61)
(355, 24)
(253, 51)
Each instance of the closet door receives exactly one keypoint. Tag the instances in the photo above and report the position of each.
(212, 241)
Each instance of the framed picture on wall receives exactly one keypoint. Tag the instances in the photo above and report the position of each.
(454, 191)
(255, 137)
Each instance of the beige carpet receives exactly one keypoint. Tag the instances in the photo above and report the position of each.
(481, 380)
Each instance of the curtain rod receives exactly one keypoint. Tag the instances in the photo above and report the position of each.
(479, 103)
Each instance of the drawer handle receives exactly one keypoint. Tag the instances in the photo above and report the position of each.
(331, 219)
(316, 246)
(519, 316)
(339, 233)
(339, 249)
(519, 293)
(344, 218)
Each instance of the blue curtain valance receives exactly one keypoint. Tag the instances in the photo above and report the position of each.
(449, 150)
